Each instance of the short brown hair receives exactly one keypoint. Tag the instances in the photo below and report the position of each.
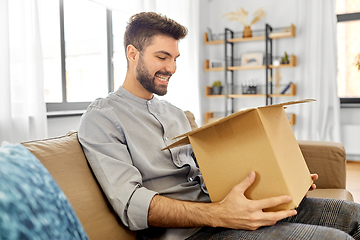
(143, 26)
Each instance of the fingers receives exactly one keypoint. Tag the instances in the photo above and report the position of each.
(277, 216)
(272, 202)
(314, 176)
(247, 182)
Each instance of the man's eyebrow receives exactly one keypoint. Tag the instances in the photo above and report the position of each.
(166, 53)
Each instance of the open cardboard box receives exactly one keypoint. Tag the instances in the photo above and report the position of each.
(259, 139)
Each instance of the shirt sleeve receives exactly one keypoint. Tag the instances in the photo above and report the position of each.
(106, 151)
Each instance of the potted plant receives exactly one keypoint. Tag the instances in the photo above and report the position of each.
(285, 60)
(216, 88)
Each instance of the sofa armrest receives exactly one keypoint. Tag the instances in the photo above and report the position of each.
(328, 160)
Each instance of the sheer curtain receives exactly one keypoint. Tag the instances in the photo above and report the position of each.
(317, 71)
(183, 90)
(22, 106)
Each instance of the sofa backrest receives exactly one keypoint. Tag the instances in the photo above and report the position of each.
(64, 159)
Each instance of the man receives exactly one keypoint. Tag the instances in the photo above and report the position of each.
(162, 193)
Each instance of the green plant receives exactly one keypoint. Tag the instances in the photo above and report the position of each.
(285, 59)
(216, 84)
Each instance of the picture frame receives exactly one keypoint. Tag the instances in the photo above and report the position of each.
(252, 59)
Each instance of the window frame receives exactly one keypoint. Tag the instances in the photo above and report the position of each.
(65, 108)
(349, 102)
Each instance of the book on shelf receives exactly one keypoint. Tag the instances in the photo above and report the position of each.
(286, 88)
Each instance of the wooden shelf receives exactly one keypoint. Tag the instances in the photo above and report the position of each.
(293, 63)
(208, 93)
(235, 68)
(215, 42)
(290, 94)
(248, 39)
(292, 119)
(287, 33)
(208, 69)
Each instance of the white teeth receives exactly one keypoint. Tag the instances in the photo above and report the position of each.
(162, 78)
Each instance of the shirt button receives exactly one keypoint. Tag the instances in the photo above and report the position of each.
(166, 138)
(191, 179)
(149, 102)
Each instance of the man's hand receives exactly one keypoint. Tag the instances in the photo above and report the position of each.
(234, 211)
(241, 213)
(313, 177)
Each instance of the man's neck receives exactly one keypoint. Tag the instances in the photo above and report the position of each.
(133, 86)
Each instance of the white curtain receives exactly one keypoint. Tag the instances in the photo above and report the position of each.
(317, 70)
(22, 106)
(183, 90)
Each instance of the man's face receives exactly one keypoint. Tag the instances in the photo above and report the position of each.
(157, 63)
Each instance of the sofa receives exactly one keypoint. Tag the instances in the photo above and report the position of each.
(63, 157)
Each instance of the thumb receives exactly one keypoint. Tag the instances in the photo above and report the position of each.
(247, 182)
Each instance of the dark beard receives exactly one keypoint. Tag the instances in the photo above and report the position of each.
(148, 81)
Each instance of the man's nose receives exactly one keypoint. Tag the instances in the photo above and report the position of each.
(171, 67)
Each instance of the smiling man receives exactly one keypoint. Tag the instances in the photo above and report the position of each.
(161, 194)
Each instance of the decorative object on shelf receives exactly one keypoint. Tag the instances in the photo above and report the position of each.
(249, 87)
(241, 16)
(357, 61)
(276, 63)
(216, 88)
(285, 59)
(215, 63)
(286, 88)
(252, 59)
(209, 34)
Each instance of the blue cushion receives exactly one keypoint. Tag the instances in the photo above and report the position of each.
(32, 205)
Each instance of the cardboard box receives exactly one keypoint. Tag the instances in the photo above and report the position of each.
(259, 139)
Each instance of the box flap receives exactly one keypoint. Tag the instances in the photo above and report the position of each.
(185, 140)
(181, 142)
(289, 103)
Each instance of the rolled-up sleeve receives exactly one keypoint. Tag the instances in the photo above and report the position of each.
(107, 153)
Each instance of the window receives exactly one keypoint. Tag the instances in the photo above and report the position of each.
(119, 21)
(348, 35)
(77, 53)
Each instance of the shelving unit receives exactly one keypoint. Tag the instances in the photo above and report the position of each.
(229, 94)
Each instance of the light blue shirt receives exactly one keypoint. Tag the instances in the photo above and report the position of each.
(122, 137)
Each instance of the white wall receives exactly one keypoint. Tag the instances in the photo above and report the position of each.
(58, 126)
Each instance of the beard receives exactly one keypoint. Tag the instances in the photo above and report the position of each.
(148, 81)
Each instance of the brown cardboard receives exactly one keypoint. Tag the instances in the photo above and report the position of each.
(259, 139)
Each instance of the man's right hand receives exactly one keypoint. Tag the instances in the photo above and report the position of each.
(234, 211)
(238, 212)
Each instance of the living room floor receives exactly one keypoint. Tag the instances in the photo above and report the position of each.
(353, 179)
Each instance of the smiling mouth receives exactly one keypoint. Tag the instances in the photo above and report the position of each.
(163, 79)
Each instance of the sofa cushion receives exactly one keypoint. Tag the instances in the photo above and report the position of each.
(32, 204)
(66, 162)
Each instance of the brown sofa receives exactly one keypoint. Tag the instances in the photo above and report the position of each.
(64, 159)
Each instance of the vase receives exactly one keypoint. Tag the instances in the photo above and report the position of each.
(216, 90)
(247, 32)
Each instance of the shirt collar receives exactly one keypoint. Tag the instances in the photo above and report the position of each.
(123, 92)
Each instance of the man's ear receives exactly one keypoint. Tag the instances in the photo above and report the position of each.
(132, 53)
